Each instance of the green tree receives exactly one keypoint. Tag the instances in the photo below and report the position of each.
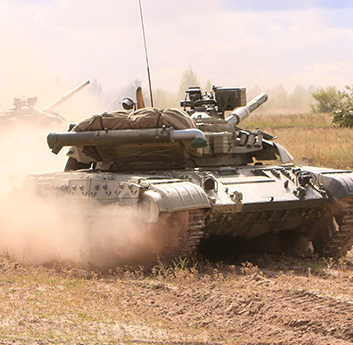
(338, 103)
(164, 99)
(189, 79)
(343, 111)
(327, 100)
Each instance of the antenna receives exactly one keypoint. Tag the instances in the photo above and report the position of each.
(148, 67)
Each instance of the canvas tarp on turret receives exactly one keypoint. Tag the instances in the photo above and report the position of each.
(138, 119)
(139, 153)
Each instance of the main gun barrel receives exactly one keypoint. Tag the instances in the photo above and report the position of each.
(241, 113)
(56, 140)
(67, 95)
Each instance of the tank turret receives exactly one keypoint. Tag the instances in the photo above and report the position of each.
(202, 138)
(25, 112)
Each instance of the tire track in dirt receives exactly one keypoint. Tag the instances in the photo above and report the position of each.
(254, 305)
(281, 305)
(324, 315)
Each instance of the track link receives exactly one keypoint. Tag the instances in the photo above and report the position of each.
(184, 243)
(342, 239)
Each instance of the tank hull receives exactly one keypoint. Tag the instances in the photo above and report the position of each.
(246, 202)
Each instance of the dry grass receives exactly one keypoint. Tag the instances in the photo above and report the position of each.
(310, 138)
(258, 302)
(278, 121)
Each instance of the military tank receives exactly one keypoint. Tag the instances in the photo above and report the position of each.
(195, 168)
(24, 112)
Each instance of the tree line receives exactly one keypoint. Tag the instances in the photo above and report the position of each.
(300, 100)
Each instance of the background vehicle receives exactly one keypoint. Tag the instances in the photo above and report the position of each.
(24, 112)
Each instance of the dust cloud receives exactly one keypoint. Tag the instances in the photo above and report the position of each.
(44, 230)
(37, 229)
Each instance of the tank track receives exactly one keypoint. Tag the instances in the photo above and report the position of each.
(184, 244)
(342, 240)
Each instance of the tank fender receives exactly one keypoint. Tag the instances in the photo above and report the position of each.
(338, 185)
(173, 197)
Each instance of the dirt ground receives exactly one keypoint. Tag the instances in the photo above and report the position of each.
(262, 300)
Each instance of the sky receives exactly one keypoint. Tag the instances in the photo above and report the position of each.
(50, 46)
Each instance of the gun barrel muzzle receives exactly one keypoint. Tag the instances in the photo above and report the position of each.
(242, 113)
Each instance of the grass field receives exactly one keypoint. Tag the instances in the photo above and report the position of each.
(310, 138)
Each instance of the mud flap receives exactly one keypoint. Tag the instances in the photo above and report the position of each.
(173, 197)
(337, 184)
